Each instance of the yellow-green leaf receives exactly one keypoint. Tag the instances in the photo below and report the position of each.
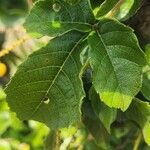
(117, 61)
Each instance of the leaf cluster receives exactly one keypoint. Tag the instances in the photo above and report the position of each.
(93, 58)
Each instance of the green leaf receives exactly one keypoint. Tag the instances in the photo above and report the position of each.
(72, 2)
(93, 124)
(67, 132)
(136, 5)
(50, 141)
(5, 121)
(146, 86)
(105, 7)
(146, 75)
(146, 132)
(47, 86)
(96, 4)
(119, 7)
(139, 112)
(91, 145)
(147, 52)
(117, 61)
(106, 114)
(54, 18)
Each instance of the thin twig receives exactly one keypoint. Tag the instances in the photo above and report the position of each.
(30, 3)
(14, 45)
(137, 142)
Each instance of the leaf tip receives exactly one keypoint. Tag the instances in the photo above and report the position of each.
(116, 100)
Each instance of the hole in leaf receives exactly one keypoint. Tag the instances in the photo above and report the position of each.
(46, 100)
(56, 7)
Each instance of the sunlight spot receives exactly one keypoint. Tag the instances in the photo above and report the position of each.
(56, 24)
(116, 100)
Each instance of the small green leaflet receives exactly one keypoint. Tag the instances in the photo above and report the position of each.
(105, 7)
(96, 4)
(47, 86)
(54, 18)
(136, 5)
(147, 52)
(50, 141)
(94, 125)
(117, 61)
(146, 75)
(106, 114)
(109, 5)
(146, 86)
(139, 112)
(146, 132)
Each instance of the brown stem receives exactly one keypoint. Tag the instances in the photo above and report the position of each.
(30, 3)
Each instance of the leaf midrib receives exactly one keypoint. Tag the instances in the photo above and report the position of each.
(112, 66)
(65, 22)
